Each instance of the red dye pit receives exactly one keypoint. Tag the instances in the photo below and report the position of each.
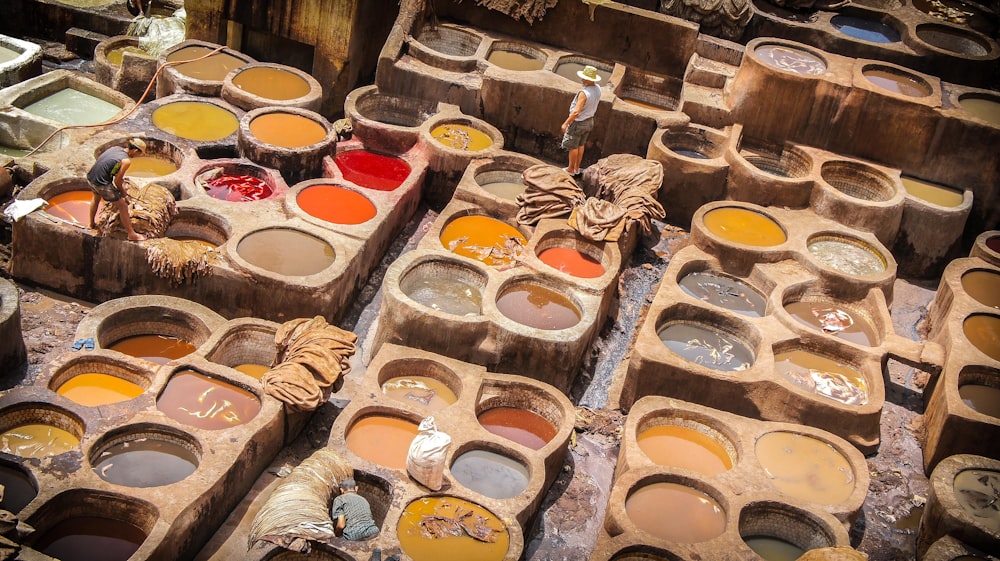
(238, 188)
(374, 171)
(994, 243)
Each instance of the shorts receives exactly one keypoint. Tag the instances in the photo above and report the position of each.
(108, 192)
(576, 133)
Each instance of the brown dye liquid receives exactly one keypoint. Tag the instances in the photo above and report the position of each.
(90, 538)
(897, 82)
(150, 166)
(252, 370)
(504, 189)
(675, 513)
(427, 391)
(993, 243)
(37, 440)
(491, 474)
(491, 241)
(984, 399)
(449, 295)
(705, 346)
(212, 69)
(834, 320)
(95, 389)
(790, 59)
(539, 307)
(524, 427)
(985, 109)
(774, 549)
(116, 56)
(848, 258)
(978, 493)
(516, 61)
(160, 349)
(145, 462)
(71, 205)
(18, 490)
(271, 83)
(822, 376)
(724, 292)
(805, 468)
(983, 332)
(382, 439)
(419, 544)
(933, 192)
(195, 120)
(677, 446)
(744, 226)
(287, 130)
(983, 286)
(461, 137)
(199, 401)
(286, 252)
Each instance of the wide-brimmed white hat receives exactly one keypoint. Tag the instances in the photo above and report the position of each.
(589, 73)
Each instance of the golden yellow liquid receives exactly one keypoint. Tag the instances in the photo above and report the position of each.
(36, 440)
(195, 120)
(252, 370)
(932, 192)
(983, 286)
(94, 389)
(115, 56)
(150, 166)
(419, 547)
(461, 137)
(744, 226)
(805, 468)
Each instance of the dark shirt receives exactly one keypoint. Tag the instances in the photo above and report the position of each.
(358, 521)
(107, 165)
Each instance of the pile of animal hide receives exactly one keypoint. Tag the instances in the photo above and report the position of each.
(722, 18)
(530, 10)
(180, 261)
(626, 187)
(298, 509)
(152, 207)
(311, 356)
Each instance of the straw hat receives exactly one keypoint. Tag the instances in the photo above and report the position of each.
(589, 73)
(137, 143)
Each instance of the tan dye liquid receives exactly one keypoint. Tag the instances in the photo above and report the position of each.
(897, 82)
(983, 332)
(774, 549)
(848, 258)
(978, 492)
(382, 439)
(504, 189)
(212, 69)
(461, 137)
(790, 59)
(986, 109)
(932, 192)
(511, 60)
(984, 399)
(73, 107)
(286, 252)
(427, 391)
(539, 307)
(744, 226)
(677, 446)
(983, 286)
(287, 130)
(805, 468)
(271, 83)
(95, 389)
(418, 544)
(116, 56)
(37, 440)
(823, 376)
(676, 513)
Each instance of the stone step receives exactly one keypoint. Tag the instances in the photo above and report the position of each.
(705, 105)
(707, 72)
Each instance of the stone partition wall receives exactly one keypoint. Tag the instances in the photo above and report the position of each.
(128, 69)
(26, 65)
(959, 517)
(12, 350)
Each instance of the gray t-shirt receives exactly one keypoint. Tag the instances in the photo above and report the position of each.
(358, 521)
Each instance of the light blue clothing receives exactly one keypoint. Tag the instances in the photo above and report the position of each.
(593, 94)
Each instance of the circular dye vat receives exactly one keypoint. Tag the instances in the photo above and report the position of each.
(145, 462)
(71, 205)
(773, 549)
(675, 513)
(429, 392)
(572, 262)
(684, 447)
(160, 349)
(150, 166)
(689, 153)
(335, 204)
(983, 332)
(437, 529)
(744, 226)
(933, 192)
(865, 29)
(983, 399)
(724, 292)
(199, 241)
(569, 71)
(485, 239)
(37, 440)
(504, 189)
(993, 244)
(271, 83)
(850, 258)
(985, 108)
(371, 170)
(195, 120)
(805, 468)
(90, 538)
(115, 56)
(206, 403)
(790, 59)
(513, 60)
(212, 69)
(897, 82)
(73, 107)
(524, 427)
(450, 295)
(18, 490)
(491, 474)
(983, 286)
(252, 370)
(238, 188)
(822, 376)
(977, 492)
(286, 252)
(707, 347)
(536, 306)
(461, 137)
(287, 130)
(835, 321)
(953, 40)
(93, 389)
(382, 439)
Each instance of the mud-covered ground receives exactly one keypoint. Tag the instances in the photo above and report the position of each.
(567, 526)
